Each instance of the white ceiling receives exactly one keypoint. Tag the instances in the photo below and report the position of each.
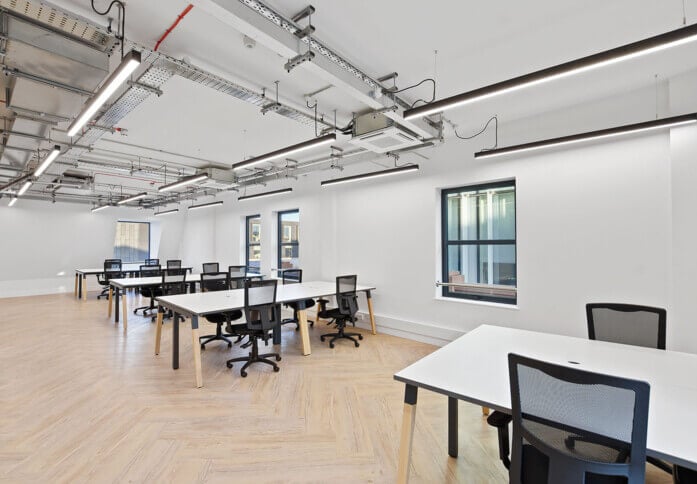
(478, 43)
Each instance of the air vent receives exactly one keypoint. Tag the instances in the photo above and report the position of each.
(378, 133)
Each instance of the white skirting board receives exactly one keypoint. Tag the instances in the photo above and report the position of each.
(36, 287)
(417, 331)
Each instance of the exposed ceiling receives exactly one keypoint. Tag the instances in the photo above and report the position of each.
(191, 126)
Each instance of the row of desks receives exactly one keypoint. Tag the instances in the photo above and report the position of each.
(81, 276)
(199, 304)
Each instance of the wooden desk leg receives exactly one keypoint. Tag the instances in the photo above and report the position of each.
(197, 350)
(76, 278)
(452, 427)
(485, 411)
(370, 312)
(408, 419)
(304, 332)
(124, 305)
(111, 301)
(84, 287)
(158, 330)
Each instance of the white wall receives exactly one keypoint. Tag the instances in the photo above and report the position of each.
(42, 244)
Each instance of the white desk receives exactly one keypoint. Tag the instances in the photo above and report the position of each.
(474, 368)
(81, 276)
(202, 303)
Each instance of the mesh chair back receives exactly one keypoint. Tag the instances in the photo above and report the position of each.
(260, 304)
(346, 299)
(112, 269)
(237, 276)
(253, 270)
(215, 281)
(174, 264)
(582, 422)
(211, 267)
(627, 324)
(150, 271)
(174, 283)
(176, 272)
(152, 262)
(292, 276)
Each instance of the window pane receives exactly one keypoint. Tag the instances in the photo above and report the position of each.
(290, 226)
(487, 214)
(132, 242)
(254, 256)
(289, 257)
(254, 230)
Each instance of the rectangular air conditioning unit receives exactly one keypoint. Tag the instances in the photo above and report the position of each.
(380, 134)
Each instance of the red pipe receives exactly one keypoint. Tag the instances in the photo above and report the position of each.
(181, 16)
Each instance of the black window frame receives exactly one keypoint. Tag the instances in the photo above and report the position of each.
(279, 237)
(445, 243)
(247, 243)
(149, 238)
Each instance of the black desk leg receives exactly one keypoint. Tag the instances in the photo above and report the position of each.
(117, 293)
(79, 286)
(452, 427)
(175, 341)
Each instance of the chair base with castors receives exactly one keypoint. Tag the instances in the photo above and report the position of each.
(218, 336)
(255, 357)
(341, 334)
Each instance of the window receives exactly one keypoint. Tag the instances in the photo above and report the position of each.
(253, 237)
(132, 243)
(288, 239)
(479, 242)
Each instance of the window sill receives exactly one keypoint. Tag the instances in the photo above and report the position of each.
(513, 307)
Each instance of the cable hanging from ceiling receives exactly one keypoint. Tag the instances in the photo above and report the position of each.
(120, 34)
(494, 118)
(428, 79)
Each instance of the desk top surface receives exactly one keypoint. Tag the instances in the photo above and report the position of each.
(128, 282)
(474, 367)
(213, 302)
(125, 268)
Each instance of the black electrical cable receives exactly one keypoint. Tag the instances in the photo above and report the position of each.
(122, 38)
(496, 132)
(428, 79)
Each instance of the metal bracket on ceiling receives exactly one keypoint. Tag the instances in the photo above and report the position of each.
(299, 59)
(306, 32)
(305, 12)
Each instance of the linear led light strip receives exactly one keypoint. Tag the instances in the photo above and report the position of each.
(584, 64)
(375, 174)
(182, 182)
(132, 199)
(206, 205)
(12, 202)
(166, 212)
(592, 135)
(129, 63)
(289, 150)
(100, 207)
(266, 194)
(47, 161)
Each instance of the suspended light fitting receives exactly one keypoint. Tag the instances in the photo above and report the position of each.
(289, 150)
(47, 161)
(129, 63)
(24, 188)
(618, 54)
(375, 174)
(100, 207)
(132, 199)
(591, 135)
(166, 212)
(206, 205)
(182, 182)
(12, 202)
(265, 194)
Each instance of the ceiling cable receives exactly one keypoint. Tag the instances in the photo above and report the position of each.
(684, 16)
(120, 34)
(496, 131)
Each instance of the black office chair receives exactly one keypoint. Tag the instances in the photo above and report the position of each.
(345, 312)
(112, 270)
(209, 267)
(174, 264)
(253, 270)
(607, 415)
(150, 292)
(152, 262)
(295, 276)
(173, 283)
(218, 282)
(263, 316)
(237, 276)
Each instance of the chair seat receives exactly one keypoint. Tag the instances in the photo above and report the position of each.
(220, 318)
(331, 314)
(308, 304)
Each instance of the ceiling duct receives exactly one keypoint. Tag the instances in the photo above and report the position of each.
(380, 134)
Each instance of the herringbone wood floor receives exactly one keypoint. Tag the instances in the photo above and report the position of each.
(80, 401)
